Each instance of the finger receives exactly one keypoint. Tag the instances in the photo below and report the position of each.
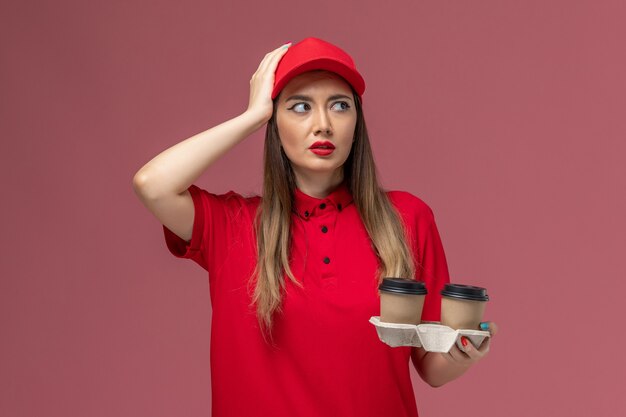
(272, 64)
(470, 350)
(266, 58)
(457, 354)
(263, 61)
(489, 326)
(271, 59)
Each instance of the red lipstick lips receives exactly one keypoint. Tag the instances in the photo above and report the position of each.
(323, 144)
(322, 148)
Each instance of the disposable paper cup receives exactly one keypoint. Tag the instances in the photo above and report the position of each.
(401, 300)
(463, 306)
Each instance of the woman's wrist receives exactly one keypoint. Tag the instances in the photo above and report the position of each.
(255, 118)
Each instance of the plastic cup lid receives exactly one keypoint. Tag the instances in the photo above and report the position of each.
(465, 292)
(403, 286)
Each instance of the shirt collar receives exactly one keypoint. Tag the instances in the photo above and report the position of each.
(306, 206)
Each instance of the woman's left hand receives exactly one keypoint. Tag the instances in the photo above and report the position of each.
(470, 355)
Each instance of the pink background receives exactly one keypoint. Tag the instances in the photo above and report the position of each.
(506, 117)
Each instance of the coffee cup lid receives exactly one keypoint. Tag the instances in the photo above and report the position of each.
(465, 292)
(403, 286)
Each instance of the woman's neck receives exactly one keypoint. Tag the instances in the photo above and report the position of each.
(318, 186)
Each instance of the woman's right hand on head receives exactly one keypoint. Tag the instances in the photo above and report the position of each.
(262, 84)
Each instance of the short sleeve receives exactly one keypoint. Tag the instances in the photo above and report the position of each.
(432, 268)
(212, 225)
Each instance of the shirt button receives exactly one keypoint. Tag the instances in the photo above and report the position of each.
(327, 260)
(306, 214)
(339, 207)
(323, 206)
(324, 229)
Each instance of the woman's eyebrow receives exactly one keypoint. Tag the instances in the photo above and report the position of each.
(307, 98)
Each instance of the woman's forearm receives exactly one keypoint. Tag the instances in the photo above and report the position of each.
(176, 168)
(436, 370)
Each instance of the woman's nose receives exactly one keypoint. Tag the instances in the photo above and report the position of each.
(322, 123)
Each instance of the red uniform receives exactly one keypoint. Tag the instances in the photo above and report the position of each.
(327, 359)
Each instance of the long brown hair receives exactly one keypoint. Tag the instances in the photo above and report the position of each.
(273, 219)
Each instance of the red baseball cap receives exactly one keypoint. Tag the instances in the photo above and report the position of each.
(312, 54)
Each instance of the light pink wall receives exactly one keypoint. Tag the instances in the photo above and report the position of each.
(506, 117)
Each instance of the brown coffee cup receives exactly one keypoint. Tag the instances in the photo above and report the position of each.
(463, 306)
(401, 300)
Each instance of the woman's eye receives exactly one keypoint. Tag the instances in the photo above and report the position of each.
(345, 107)
(298, 106)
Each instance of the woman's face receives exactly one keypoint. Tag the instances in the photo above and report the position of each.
(316, 107)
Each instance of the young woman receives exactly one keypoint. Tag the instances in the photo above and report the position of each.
(294, 273)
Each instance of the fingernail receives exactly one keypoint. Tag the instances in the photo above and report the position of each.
(463, 341)
(484, 326)
(286, 45)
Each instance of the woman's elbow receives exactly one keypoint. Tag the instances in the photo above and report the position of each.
(433, 382)
(436, 384)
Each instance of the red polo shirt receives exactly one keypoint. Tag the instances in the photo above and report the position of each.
(327, 359)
